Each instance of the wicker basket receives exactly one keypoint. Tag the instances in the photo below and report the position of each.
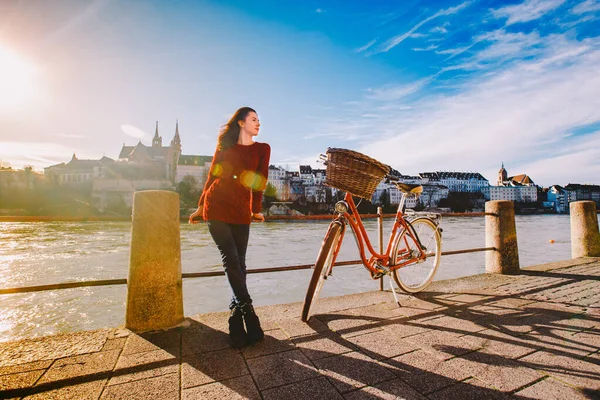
(354, 172)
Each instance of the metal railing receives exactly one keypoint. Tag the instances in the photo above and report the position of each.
(110, 282)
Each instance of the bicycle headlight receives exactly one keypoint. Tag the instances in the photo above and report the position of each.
(341, 207)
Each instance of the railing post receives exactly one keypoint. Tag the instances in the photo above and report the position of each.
(585, 238)
(501, 233)
(154, 289)
(380, 237)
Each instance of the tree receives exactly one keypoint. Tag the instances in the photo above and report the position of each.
(269, 195)
(188, 191)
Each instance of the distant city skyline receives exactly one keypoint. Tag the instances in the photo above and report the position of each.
(422, 86)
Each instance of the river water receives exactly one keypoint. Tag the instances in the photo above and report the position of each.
(37, 253)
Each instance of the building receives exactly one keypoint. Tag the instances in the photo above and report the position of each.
(25, 179)
(79, 173)
(577, 192)
(166, 157)
(518, 188)
(517, 180)
(195, 166)
(278, 177)
(558, 196)
(470, 182)
(525, 194)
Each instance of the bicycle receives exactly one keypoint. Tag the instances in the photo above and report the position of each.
(412, 254)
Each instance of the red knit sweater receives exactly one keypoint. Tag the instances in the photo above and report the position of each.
(237, 178)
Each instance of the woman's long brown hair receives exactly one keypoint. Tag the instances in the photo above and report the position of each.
(230, 132)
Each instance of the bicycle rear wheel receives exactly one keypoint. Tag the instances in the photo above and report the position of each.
(322, 267)
(416, 277)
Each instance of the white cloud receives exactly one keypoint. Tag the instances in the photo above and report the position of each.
(319, 10)
(395, 92)
(428, 48)
(586, 7)
(396, 40)
(522, 112)
(366, 46)
(529, 10)
(133, 131)
(36, 154)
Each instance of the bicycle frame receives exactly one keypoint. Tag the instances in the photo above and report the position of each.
(352, 217)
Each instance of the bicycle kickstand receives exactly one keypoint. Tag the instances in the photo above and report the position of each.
(393, 290)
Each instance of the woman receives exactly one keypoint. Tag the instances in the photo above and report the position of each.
(231, 199)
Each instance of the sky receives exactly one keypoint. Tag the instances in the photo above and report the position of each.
(419, 85)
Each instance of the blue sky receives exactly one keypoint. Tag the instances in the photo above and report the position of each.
(421, 85)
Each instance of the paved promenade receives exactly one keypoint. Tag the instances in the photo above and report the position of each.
(531, 336)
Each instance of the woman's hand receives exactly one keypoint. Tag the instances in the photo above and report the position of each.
(258, 217)
(196, 216)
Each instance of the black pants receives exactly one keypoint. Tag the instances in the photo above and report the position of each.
(232, 242)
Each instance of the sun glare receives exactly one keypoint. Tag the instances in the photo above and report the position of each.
(17, 81)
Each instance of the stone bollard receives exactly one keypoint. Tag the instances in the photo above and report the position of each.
(501, 233)
(585, 238)
(154, 290)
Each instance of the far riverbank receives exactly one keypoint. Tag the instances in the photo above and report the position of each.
(320, 217)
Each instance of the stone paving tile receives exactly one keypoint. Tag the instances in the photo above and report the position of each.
(352, 371)
(499, 372)
(294, 327)
(151, 341)
(165, 387)
(388, 390)
(501, 343)
(275, 341)
(81, 391)
(380, 311)
(323, 344)
(347, 325)
(281, 369)
(580, 373)
(80, 367)
(425, 372)
(203, 340)
(471, 389)
(202, 368)
(382, 344)
(137, 366)
(467, 298)
(403, 328)
(550, 389)
(443, 345)
(14, 369)
(114, 344)
(231, 389)
(455, 326)
(505, 323)
(559, 341)
(19, 380)
(51, 347)
(313, 389)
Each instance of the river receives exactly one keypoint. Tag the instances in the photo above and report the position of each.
(36, 253)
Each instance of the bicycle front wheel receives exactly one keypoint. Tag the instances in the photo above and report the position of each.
(322, 267)
(417, 276)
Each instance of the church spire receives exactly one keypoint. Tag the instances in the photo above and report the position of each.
(177, 139)
(157, 140)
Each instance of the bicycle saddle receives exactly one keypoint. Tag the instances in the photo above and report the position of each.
(408, 188)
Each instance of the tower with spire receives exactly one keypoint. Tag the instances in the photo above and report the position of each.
(502, 176)
(156, 140)
(174, 153)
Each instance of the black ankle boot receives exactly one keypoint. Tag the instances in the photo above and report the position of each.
(255, 332)
(237, 334)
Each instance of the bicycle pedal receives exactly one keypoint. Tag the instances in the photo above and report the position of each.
(380, 273)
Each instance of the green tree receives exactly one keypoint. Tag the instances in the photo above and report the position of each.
(269, 195)
(188, 191)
